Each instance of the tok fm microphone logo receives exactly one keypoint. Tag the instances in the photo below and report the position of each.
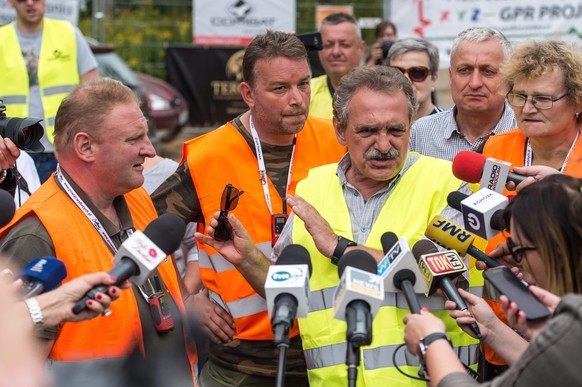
(444, 262)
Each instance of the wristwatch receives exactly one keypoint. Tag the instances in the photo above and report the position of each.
(428, 340)
(35, 311)
(342, 245)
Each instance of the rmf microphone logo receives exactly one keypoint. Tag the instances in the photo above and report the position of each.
(452, 229)
(444, 262)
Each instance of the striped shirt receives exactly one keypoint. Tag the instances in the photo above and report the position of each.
(438, 135)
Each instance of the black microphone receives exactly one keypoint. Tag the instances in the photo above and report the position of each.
(399, 270)
(7, 208)
(439, 269)
(287, 293)
(358, 297)
(287, 290)
(141, 253)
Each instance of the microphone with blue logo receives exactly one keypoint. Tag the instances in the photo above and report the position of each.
(287, 293)
(42, 275)
(399, 270)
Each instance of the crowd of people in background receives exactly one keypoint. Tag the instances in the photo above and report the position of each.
(330, 163)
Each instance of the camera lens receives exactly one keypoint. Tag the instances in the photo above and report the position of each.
(24, 132)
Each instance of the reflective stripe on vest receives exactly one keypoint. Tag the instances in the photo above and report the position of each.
(323, 336)
(323, 299)
(241, 308)
(374, 358)
(13, 99)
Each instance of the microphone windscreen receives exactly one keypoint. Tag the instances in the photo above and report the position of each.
(358, 259)
(468, 166)
(423, 247)
(388, 240)
(166, 232)
(50, 271)
(455, 198)
(295, 255)
(7, 207)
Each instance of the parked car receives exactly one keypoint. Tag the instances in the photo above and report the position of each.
(168, 107)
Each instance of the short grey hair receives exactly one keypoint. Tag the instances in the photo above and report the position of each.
(337, 18)
(403, 46)
(482, 34)
(382, 79)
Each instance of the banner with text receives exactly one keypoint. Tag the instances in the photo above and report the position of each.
(55, 9)
(440, 21)
(237, 22)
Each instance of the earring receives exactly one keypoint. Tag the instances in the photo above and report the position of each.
(577, 114)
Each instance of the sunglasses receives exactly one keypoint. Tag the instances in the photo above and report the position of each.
(228, 202)
(518, 252)
(415, 74)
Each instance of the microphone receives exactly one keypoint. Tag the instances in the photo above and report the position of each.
(473, 167)
(42, 275)
(482, 211)
(358, 297)
(452, 236)
(8, 207)
(287, 290)
(399, 270)
(141, 253)
(438, 270)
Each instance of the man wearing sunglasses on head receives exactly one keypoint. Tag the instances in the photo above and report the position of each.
(41, 60)
(263, 152)
(480, 110)
(419, 61)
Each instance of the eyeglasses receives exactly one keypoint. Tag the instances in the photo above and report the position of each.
(518, 251)
(416, 74)
(228, 202)
(541, 102)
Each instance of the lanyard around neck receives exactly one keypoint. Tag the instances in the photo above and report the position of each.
(529, 153)
(263, 169)
(86, 210)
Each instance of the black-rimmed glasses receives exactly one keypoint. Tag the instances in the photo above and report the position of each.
(518, 252)
(228, 202)
(416, 74)
(541, 102)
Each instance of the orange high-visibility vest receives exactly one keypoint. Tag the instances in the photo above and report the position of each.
(223, 156)
(510, 147)
(83, 251)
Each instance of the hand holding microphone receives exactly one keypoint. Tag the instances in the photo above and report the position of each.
(141, 253)
(493, 174)
(438, 270)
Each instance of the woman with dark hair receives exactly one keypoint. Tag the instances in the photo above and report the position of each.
(545, 220)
